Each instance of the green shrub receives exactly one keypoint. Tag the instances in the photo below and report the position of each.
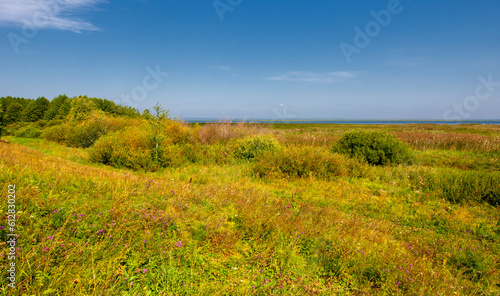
(28, 132)
(54, 122)
(251, 147)
(85, 134)
(131, 148)
(304, 161)
(376, 148)
(56, 133)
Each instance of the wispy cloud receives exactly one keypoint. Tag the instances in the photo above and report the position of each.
(304, 76)
(47, 14)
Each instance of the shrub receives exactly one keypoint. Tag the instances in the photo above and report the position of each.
(54, 122)
(130, 148)
(56, 133)
(373, 147)
(177, 132)
(85, 134)
(303, 161)
(28, 132)
(252, 147)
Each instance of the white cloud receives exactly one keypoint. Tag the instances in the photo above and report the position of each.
(47, 14)
(304, 76)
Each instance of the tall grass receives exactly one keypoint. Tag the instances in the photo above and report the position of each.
(309, 225)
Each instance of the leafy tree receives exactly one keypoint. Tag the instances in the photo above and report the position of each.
(42, 105)
(30, 113)
(54, 106)
(64, 109)
(157, 122)
(14, 113)
(81, 107)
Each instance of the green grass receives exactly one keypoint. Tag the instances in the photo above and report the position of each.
(219, 228)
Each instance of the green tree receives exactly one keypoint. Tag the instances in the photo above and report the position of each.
(54, 106)
(14, 113)
(43, 105)
(31, 112)
(157, 122)
(81, 107)
(64, 109)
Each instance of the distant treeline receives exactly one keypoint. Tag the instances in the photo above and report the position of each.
(15, 109)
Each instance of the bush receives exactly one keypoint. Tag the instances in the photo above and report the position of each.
(130, 148)
(177, 132)
(252, 147)
(56, 133)
(85, 134)
(304, 161)
(376, 148)
(28, 132)
(54, 122)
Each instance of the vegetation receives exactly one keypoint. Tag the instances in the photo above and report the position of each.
(376, 148)
(253, 147)
(128, 204)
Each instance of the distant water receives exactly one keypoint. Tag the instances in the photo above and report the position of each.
(347, 121)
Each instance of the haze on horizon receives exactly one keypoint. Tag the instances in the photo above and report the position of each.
(383, 59)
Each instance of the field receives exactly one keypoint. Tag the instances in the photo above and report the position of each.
(322, 224)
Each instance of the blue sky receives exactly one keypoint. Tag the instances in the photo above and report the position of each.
(260, 59)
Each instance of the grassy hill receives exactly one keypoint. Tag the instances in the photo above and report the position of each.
(299, 220)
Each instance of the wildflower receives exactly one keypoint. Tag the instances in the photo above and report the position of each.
(145, 270)
(178, 244)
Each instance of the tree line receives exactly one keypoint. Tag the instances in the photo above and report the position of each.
(16, 109)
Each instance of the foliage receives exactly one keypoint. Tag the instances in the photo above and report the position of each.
(461, 186)
(85, 134)
(53, 108)
(81, 108)
(252, 147)
(29, 131)
(130, 148)
(306, 161)
(157, 122)
(2, 119)
(206, 226)
(13, 113)
(376, 148)
(56, 133)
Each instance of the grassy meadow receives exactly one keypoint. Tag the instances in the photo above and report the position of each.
(169, 208)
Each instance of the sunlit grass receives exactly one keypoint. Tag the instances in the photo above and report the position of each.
(219, 229)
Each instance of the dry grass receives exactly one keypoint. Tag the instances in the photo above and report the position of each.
(218, 230)
(450, 141)
(223, 131)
